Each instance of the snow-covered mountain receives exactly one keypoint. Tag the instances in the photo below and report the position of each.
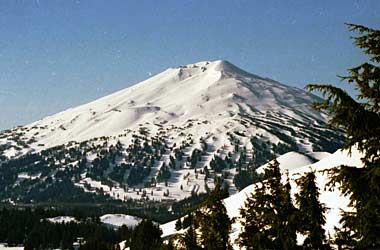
(168, 136)
(217, 92)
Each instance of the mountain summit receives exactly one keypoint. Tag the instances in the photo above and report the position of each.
(214, 91)
(187, 127)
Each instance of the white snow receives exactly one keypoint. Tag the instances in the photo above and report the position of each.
(5, 247)
(168, 229)
(117, 220)
(62, 219)
(319, 155)
(290, 161)
(22, 176)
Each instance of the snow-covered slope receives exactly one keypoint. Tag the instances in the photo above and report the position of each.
(332, 199)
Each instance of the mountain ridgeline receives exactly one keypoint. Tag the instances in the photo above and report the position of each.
(168, 138)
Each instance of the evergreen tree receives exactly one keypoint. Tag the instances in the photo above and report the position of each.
(268, 216)
(189, 240)
(214, 223)
(147, 236)
(311, 213)
(178, 224)
(287, 225)
(360, 118)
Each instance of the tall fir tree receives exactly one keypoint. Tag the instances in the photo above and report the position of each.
(311, 213)
(268, 217)
(360, 118)
(214, 223)
(147, 236)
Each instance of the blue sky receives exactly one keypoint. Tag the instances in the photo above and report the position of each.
(56, 54)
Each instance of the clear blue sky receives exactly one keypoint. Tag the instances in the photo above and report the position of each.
(56, 54)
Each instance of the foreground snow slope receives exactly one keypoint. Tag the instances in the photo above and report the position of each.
(333, 200)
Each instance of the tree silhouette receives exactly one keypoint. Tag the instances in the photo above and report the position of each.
(214, 223)
(311, 213)
(360, 118)
(268, 217)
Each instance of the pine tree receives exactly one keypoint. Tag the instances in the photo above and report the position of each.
(287, 225)
(188, 240)
(147, 236)
(268, 215)
(214, 223)
(311, 213)
(360, 118)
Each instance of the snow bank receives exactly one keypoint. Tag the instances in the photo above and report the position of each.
(117, 220)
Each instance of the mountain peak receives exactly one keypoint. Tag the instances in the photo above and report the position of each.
(209, 90)
(219, 64)
(224, 67)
